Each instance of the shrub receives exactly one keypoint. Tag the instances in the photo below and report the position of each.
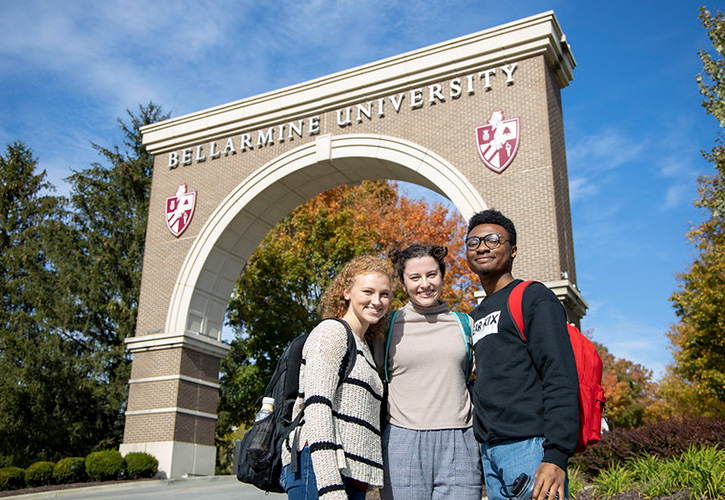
(655, 476)
(39, 474)
(613, 481)
(669, 438)
(141, 465)
(104, 465)
(576, 483)
(70, 470)
(12, 478)
(702, 471)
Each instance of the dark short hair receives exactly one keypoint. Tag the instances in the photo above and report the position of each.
(492, 216)
(400, 257)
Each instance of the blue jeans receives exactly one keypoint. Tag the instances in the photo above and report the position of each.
(503, 462)
(302, 485)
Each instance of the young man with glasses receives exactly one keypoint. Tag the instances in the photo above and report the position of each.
(526, 392)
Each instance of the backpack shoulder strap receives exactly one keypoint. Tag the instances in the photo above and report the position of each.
(465, 324)
(388, 335)
(348, 361)
(515, 307)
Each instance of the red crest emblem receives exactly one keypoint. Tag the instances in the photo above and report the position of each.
(498, 141)
(180, 210)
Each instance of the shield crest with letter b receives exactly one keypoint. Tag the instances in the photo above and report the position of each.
(498, 141)
(180, 210)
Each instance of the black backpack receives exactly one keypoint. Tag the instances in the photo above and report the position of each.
(258, 455)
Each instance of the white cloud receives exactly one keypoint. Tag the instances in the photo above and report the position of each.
(606, 150)
(631, 337)
(592, 158)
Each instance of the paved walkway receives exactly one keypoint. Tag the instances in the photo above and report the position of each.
(198, 488)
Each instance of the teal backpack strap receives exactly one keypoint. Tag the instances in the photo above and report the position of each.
(464, 323)
(388, 336)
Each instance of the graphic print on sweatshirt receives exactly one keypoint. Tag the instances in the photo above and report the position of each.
(486, 326)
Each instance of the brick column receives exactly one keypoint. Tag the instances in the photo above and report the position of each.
(172, 401)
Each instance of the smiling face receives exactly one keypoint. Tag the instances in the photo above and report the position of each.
(423, 280)
(490, 262)
(368, 299)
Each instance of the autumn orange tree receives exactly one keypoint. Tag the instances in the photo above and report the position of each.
(628, 389)
(276, 295)
(696, 381)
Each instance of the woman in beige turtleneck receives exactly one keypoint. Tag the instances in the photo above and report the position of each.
(429, 451)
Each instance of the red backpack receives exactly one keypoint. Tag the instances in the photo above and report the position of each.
(589, 368)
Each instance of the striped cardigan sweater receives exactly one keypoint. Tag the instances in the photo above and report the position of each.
(341, 423)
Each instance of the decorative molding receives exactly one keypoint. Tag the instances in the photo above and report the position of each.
(570, 296)
(412, 161)
(165, 378)
(505, 44)
(199, 343)
(172, 409)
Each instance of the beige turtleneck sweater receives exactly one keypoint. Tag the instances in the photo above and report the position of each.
(427, 366)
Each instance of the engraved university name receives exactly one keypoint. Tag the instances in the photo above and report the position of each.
(437, 93)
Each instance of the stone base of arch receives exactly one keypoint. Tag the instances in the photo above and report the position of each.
(176, 458)
(173, 393)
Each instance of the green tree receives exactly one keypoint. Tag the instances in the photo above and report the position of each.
(99, 259)
(277, 293)
(70, 284)
(45, 403)
(697, 339)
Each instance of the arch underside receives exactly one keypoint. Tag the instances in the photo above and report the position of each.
(207, 277)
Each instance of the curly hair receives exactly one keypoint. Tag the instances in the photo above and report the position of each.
(492, 216)
(333, 304)
(401, 257)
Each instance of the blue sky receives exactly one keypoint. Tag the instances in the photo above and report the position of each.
(633, 121)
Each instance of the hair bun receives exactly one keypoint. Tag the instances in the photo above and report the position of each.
(439, 252)
(394, 254)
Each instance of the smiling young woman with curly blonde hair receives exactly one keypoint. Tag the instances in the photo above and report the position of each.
(339, 442)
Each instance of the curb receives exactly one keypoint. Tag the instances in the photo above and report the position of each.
(118, 486)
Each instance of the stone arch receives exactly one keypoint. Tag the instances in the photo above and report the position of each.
(239, 223)
(414, 117)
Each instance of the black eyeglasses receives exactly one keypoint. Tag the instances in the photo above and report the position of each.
(491, 240)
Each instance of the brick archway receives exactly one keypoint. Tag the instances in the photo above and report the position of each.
(245, 165)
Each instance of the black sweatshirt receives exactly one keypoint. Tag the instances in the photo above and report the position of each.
(525, 389)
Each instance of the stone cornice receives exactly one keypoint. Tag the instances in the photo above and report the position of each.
(505, 44)
(199, 343)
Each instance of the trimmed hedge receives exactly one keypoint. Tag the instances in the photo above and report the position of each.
(70, 470)
(104, 465)
(12, 478)
(39, 474)
(141, 465)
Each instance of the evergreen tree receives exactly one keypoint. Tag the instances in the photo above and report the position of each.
(697, 378)
(100, 262)
(46, 406)
(70, 284)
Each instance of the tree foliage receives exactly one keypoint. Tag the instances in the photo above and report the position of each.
(71, 276)
(697, 340)
(101, 268)
(277, 293)
(47, 403)
(27, 347)
(628, 389)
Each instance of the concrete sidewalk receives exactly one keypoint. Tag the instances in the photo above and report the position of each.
(205, 488)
